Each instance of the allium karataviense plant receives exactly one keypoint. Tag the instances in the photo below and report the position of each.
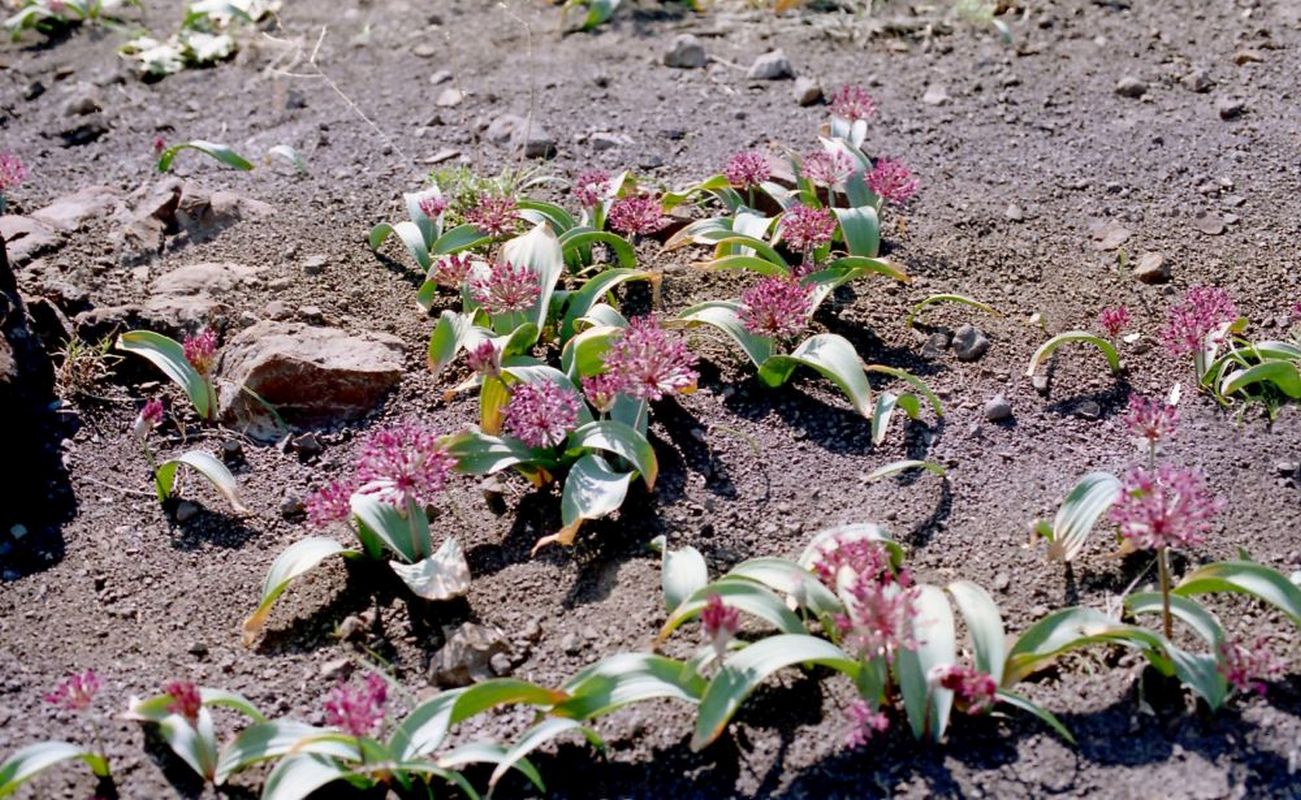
(399, 471)
(74, 695)
(12, 173)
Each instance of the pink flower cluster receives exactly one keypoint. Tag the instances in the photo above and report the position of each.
(852, 103)
(880, 603)
(1150, 420)
(329, 504)
(185, 699)
(1113, 320)
(495, 215)
(1165, 507)
(451, 271)
(357, 711)
(776, 307)
(747, 169)
(150, 417)
(12, 172)
(403, 464)
(484, 359)
(75, 692)
(825, 168)
(1202, 311)
(602, 390)
(1247, 665)
(646, 362)
(719, 622)
(638, 214)
(864, 723)
(507, 288)
(201, 350)
(433, 206)
(591, 188)
(541, 414)
(892, 180)
(973, 691)
(805, 229)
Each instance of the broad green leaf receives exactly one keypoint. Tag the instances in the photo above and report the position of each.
(746, 669)
(405, 534)
(477, 453)
(682, 572)
(1199, 672)
(539, 250)
(429, 228)
(1246, 577)
(884, 408)
(536, 211)
(1044, 715)
(298, 776)
(861, 230)
(462, 237)
(620, 439)
(168, 355)
(578, 238)
(755, 264)
(446, 341)
(744, 595)
(592, 490)
(489, 753)
(298, 559)
(1202, 621)
(598, 11)
(24, 764)
(863, 265)
(702, 231)
(1282, 374)
(579, 303)
(896, 467)
(379, 234)
(927, 705)
(832, 356)
(584, 353)
(422, 730)
(1068, 629)
(984, 624)
(1086, 503)
(916, 310)
(158, 707)
(1046, 349)
(206, 465)
(625, 678)
(535, 737)
(789, 578)
(220, 152)
(760, 247)
(442, 576)
(725, 316)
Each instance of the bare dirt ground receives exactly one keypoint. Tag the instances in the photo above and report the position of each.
(119, 586)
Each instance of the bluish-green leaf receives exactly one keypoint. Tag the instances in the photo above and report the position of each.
(752, 598)
(725, 316)
(1080, 511)
(1046, 349)
(206, 465)
(927, 705)
(984, 624)
(592, 490)
(27, 762)
(682, 572)
(1245, 577)
(168, 355)
(220, 152)
(834, 358)
(624, 678)
(620, 439)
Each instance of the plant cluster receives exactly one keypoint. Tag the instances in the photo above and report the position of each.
(202, 40)
(53, 16)
(12, 173)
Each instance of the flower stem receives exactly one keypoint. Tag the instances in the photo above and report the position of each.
(1163, 561)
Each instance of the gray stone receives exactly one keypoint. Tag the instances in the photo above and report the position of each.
(937, 343)
(73, 211)
(277, 310)
(519, 132)
(500, 664)
(608, 141)
(336, 668)
(1108, 235)
(26, 238)
(291, 506)
(440, 77)
(468, 656)
(773, 66)
(1014, 212)
(807, 91)
(424, 50)
(1209, 223)
(449, 97)
(1230, 108)
(1129, 86)
(313, 376)
(1199, 80)
(1089, 409)
(232, 451)
(1151, 268)
(936, 95)
(998, 409)
(1040, 382)
(197, 294)
(969, 343)
(315, 264)
(686, 52)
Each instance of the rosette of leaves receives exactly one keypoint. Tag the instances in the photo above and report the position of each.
(50, 16)
(800, 619)
(605, 451)
(400, 537)
(1265, 372)
(193, 740)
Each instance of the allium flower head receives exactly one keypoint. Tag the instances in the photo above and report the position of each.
(541, 414)
(1168, 507)
(357, 711)
(433, 206)
(747, 169)
(776, 307)
(1247, 665)
(973, 691)
(805, 229)
(150, 417)
(859, 556)
(1150, 421)
(638, 214)
(75, 692)
(451, 271)
(12, 171)
(201, 350)
(484, 359)
(1202, 311)
(648, 362)
(185, 699)
(601, 390)
(852, 103)
(825, 168)
(402, 464)
(495, 215)
(719, 622)
(864, 723)
(1113, 320)
(507, 288)
(329, 504)
(892, 180)
(591, 187)
(880, 603)
(160, 144)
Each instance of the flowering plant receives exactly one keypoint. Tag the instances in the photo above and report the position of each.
(48, 16)
(398, 472)
(74, 694)
(182, 716)
(12, 173)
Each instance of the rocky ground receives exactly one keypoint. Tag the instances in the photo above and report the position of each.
(1113, 153)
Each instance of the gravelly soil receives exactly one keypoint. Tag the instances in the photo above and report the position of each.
(746, 471)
